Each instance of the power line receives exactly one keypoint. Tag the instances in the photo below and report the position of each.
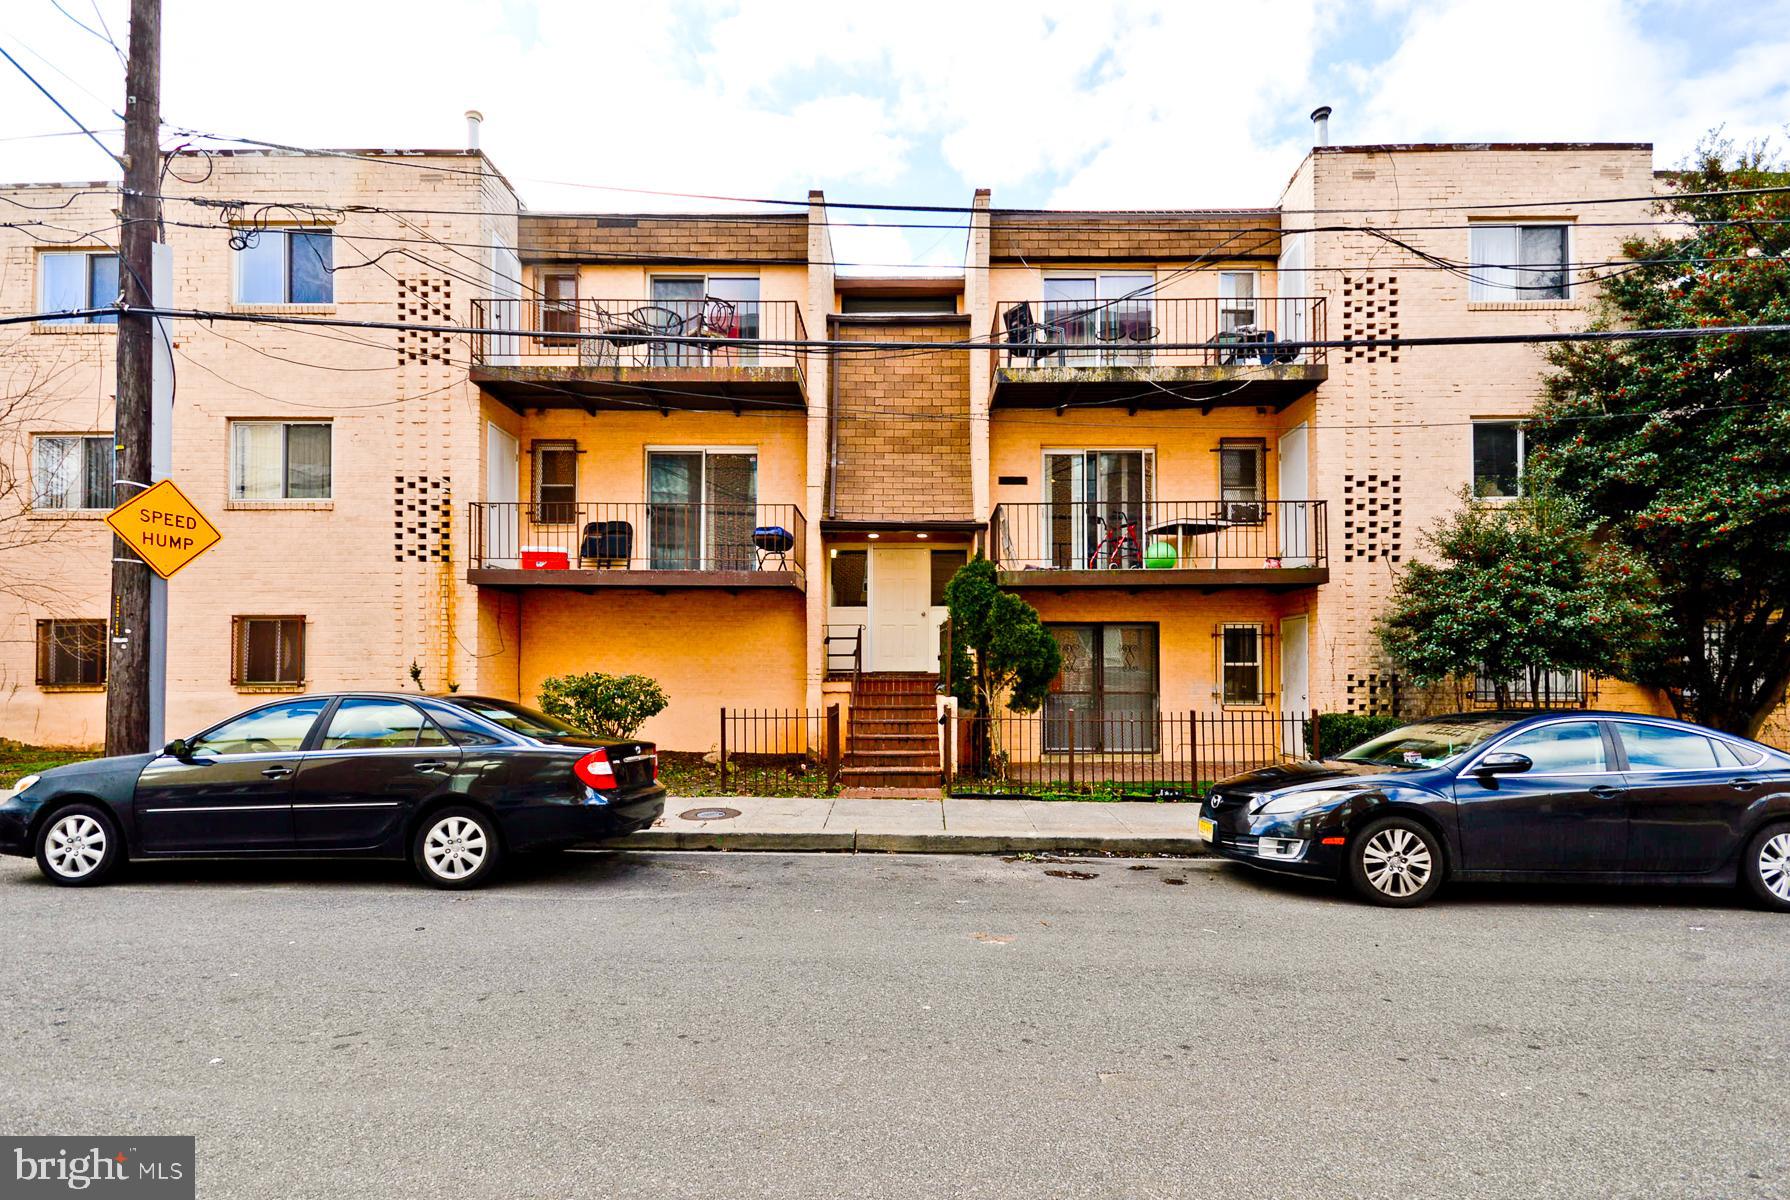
(51, 97)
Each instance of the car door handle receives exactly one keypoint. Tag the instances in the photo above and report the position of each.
(1605, 791)
(277, 772)
(1741, 784)
(431, 765)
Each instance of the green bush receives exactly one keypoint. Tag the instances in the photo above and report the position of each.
(1344, 731)
(607, 705)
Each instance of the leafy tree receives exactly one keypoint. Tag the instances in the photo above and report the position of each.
(998, 644)
(1682, 447)
(1517, 590)
(607, 705)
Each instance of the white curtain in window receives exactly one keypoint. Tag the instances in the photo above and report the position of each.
(261, 269)
(1495, 253)
(256, 455)
(56, 473)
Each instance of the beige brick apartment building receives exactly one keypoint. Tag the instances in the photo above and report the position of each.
(694, 491)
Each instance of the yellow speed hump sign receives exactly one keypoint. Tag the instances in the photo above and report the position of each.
(163, 527)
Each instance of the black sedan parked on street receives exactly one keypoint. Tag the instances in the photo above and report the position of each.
(451, 783)
(1584, 796)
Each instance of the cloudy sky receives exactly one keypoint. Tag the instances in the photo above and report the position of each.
(1077, 104)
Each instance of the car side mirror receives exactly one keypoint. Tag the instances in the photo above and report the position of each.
(178, 748)
(1505, 762)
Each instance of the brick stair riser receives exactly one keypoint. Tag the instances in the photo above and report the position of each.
(892, 758)
(887, 777)
(873, 745)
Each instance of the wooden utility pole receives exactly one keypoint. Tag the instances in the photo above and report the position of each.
(127, 678)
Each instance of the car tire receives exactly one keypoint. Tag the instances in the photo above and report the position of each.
(456, 848)
(1396, 862)
(1765, 867)
(79, 846)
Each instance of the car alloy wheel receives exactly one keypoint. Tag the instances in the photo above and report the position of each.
(78, 847)
(1396, 862)
(457, 848)
(1767, 866)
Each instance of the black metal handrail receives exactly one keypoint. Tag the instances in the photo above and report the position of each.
(653, 536)
(1155, 332)
(1159, 534)
(709, 333)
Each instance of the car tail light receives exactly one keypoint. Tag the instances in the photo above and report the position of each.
(594, 771)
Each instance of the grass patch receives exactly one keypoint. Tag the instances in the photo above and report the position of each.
(686, 774)
(18, 760)
(1165, 792)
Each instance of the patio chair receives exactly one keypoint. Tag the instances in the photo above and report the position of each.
(607, 543)
(1026, 338)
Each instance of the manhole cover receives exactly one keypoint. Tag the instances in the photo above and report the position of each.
(708, 814)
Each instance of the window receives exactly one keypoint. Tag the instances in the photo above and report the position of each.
(367, 723)
(276, 729)
(1105, 697)
(702, 507)
(555, 483)
(1102, 309)
(285, 266)
(1658, 748)
(71, 653)
(462, 728)
(716, 306)
(1237, 305)
(1241, 483)
(559, 306)
(267, 651)
(1092, 493)
(1566, 746)
(1517, 262)
(72, 472)
(904, 303)
(849, 568)
(1497, 459)
(280, 460)
(1555, 689)
(1240, 664)
(77, 279)
(945, 564)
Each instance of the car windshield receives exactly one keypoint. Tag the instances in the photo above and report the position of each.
(1426, 743)
(520, 718)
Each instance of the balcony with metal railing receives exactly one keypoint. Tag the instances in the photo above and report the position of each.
(1161, 543)
(1152, 353)
(652, 545)
(709, 354)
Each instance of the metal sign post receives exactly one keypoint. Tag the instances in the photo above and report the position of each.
(161, 465)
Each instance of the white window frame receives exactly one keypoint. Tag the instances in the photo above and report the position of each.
(1260, 664)
(1231, 304)
(1481, 291)
(1472, 457)
(237, 258)
(285, 462)
(37, 470)
(109, 320)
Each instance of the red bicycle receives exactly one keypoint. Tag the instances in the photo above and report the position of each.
(1117, 545)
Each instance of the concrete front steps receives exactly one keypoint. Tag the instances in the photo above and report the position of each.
(892, 741)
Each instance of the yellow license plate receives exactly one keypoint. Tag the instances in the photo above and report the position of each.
(1206, 830)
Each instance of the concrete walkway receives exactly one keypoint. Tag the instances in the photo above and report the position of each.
(920, 826)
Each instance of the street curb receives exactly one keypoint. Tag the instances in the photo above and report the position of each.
(905, 843)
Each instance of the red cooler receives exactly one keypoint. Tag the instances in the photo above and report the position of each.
(545, 558)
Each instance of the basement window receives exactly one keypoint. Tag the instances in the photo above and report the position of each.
(267, 651)
(71, 653)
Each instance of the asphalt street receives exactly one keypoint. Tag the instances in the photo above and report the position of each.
(779, 1025)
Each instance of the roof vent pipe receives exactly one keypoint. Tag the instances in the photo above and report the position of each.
(475, 118)
(1320, 116)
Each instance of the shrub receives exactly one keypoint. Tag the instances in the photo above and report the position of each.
(607, 705)
(1345, 731)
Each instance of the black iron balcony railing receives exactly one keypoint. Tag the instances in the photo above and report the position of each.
(1153, 332)
(709, 333)
(1210, 535)
(558, 536)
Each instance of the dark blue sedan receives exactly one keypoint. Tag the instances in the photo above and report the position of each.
(450, 783)
(1585, 796)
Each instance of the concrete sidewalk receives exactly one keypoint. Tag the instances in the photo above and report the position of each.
(949, 826)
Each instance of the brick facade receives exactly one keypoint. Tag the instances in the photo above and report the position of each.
(624, 237)
(1133, 237)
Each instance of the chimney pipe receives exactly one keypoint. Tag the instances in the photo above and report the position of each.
(1320, 116)
(475, 118)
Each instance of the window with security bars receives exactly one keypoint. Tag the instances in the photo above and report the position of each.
(555, 483)
(267, 651)
(72, 472)
(1241, 483)
(71, 653)
(1242, 661)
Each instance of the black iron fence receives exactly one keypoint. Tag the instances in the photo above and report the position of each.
(780, 751)
(556, 535)
(1159, 534)
(1154, 332)
(1163, 756)
(702, 333)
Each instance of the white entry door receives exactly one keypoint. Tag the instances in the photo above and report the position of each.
(1295, 680)
(1297, 537)
(503, 489)
(903, 634)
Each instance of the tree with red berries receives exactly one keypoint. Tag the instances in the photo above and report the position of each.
(1680, 448)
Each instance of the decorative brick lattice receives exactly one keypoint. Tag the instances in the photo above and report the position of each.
(421, 509)
(1373, 518)
(1372, 694)
(1370, 310)
(426, 302)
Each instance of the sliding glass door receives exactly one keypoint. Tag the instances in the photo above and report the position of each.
(1107, 308)
(1093, 498)
(701, 508)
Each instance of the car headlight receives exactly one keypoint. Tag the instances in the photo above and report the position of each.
(1282, 803)
(24, 783)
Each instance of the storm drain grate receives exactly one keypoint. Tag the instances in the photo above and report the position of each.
(708, 814)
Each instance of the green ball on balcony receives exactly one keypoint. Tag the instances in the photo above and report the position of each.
(1159, 556)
